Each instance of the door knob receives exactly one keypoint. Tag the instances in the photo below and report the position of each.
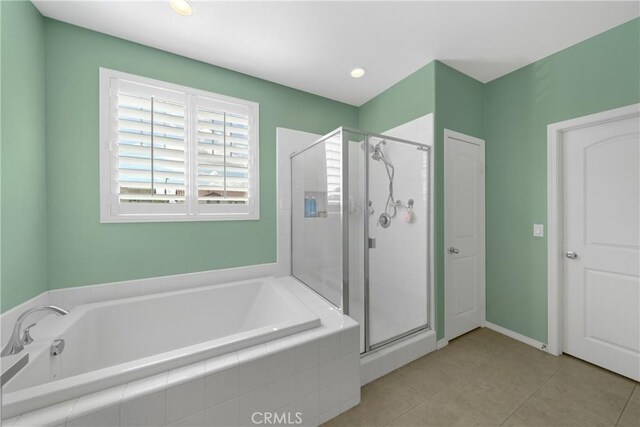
(572, 255)
(453, 250)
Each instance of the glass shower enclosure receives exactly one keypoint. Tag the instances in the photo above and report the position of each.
(360, 221)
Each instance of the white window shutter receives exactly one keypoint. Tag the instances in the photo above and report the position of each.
(175, 153)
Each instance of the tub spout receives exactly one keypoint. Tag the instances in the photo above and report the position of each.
(17, 342)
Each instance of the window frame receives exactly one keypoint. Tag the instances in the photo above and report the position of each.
(111, 210)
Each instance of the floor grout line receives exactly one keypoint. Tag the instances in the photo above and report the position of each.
(443, 389)
(626, 404)
(555, 374)
(529, 397)
(417, 404)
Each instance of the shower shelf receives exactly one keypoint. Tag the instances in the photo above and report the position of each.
(321, 203)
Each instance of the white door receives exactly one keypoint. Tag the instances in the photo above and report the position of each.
(464, 233)
(601, 223)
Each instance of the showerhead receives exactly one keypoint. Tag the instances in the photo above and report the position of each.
(377, 154)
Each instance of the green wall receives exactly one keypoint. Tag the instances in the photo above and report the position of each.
(459, 108)
(596, 75)
(51, 234)
(23, 210)
(456, 100)
(81, 250)
(410, 98)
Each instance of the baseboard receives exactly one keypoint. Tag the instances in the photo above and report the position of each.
(516, 336)
(442, 343)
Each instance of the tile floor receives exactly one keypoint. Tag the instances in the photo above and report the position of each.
(484, 378)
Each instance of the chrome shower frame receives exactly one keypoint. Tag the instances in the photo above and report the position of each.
(344, 216)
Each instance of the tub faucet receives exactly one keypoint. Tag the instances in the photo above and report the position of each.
(16, 342)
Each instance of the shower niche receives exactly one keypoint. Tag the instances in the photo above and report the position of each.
(369, 255)
(315, 204)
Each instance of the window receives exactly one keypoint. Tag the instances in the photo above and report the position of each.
(173, 153)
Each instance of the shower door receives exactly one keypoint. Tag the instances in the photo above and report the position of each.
(396, 242)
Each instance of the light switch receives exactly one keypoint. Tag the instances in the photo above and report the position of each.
(538, 230)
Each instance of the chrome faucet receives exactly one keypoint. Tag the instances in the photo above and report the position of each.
(16, 342)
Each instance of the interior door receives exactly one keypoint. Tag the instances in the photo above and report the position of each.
(464, 233)
(601, 223)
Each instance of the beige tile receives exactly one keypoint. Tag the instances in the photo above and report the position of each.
(484, 341)
(446, 409)
(458, 361)
(484, 379)
(631, 415)
(543, 411)
(572, 400)
(381, 401)
(533, 354)
(496, 395)
(425, 378)
(521, 368)
(586, 374)
(602, 397)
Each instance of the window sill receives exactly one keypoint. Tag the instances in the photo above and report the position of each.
(131, 218)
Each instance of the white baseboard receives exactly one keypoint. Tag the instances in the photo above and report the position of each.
(516, 336)
(442, 343)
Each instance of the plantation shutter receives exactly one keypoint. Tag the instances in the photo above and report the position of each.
(174, 153)
(151, 148)
(224, 157)
(333, 153)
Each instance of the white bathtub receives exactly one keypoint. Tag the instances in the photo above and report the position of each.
(114, 342)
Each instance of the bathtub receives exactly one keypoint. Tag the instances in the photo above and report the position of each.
(114, 342)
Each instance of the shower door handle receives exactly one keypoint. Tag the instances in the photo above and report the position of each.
(453, 250)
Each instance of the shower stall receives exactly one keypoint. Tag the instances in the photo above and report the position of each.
(360, 224)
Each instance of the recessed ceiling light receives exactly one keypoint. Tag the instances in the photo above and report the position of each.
(182, 7)
(356, 73)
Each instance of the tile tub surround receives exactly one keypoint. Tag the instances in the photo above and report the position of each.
(69, 298)
(314, 372)
(114, 342)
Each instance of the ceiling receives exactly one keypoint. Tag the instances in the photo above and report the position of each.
(313, 46)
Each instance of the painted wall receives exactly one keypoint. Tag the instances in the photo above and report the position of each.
(458, 106)
(456, 100)
(81, 250)
(596, 75)
(52, 237)
(410, 98)
(23, 212)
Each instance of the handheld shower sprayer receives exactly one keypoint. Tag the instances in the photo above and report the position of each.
(390, 209)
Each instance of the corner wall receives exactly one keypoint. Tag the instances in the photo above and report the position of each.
(410, 98)
(23, 217)
(598, 74)
(458, 107)
(456, 100)
(81, 250)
